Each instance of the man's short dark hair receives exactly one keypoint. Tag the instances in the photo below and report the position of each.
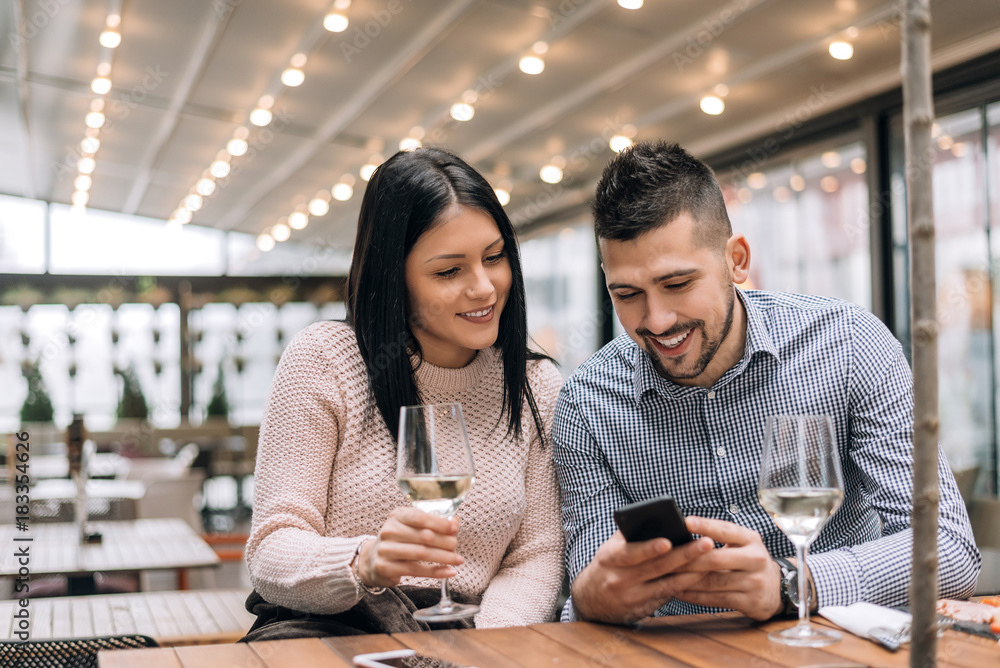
(651, 184)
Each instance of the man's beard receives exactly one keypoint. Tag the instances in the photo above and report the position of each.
(710, 346)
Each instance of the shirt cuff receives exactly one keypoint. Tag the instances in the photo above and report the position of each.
(835, 575)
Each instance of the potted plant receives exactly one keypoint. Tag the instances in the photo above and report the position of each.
(36, 411)
(135, 436)
(218, 405)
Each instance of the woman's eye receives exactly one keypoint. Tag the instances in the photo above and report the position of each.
(447, 273)
(493, 259)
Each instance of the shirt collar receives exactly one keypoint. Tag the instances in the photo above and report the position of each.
(758, 341)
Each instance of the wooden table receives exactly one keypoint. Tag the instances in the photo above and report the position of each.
(127, 545)
(171, 617)
(729, 640)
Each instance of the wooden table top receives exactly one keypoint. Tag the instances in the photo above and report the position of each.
(171, 617)
(729, 640)
(128, 545)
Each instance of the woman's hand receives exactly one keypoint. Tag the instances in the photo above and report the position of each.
(410, 543)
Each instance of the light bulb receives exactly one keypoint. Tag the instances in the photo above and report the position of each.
(367, 170)
(219, 169)
(342, 192)
(298, 220)
(551, 174)
(502, 195)
(292, 77)
(858, 165)
(281, 232)
(94, 119)
(712, 105)
(409, 144)
(182, 215)
(797, 182)
(110, 38)
(100, 85)
(82, 182)
(619, 143)
(90, 144)
(461, 111)
(531, 65)
(193, 202)
(318, 207)
(80, 198)
(86, 165)
(260, 117)
(335, 22)
(841, 50)
(236, 147)
(265, 242)
(205, 187)
(830, 159)
(630, 4)
(757, 180)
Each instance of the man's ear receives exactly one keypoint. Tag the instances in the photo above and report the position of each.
(738, 258)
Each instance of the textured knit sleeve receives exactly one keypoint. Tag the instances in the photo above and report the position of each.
(290, 560)
(525, 588)
(878, 571)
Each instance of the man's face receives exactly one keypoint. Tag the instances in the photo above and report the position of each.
(677, 300)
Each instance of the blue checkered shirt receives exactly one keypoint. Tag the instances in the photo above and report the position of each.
(624, 434)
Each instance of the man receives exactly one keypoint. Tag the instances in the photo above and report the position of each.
(678, 407)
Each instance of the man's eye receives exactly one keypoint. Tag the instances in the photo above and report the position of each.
(679, 286)
(625, 296)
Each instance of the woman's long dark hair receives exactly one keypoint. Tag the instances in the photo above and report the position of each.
(405, 197)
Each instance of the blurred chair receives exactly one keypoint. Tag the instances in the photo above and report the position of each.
(71, 653)
(172, 497)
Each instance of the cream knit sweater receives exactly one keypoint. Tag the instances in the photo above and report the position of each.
(326, 480)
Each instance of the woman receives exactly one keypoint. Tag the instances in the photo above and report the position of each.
(435, 314)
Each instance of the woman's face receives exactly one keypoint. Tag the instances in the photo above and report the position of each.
(458, 279)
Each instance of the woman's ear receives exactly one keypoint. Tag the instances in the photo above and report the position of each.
(738, 258)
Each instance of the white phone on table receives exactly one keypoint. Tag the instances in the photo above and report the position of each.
(402, 658)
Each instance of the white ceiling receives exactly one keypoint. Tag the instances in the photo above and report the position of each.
(188, 72)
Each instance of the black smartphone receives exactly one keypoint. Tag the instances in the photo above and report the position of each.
(653, 518)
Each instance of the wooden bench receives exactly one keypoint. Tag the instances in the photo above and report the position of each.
(173, 618)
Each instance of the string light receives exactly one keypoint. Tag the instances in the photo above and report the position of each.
(462, 111)
(293, 77)
(193, 202)
(261, 117)
(503, 195)
(841, 50)
(630, 4)
(281, 231)
(100, 85)
(110, 37)
(205, 187)
(531, 65)
(335, 22)
(342, 192)
(83, 182)
(619, 143)
(551, 174)
(220, 169)
(712, 105)
(265, 242)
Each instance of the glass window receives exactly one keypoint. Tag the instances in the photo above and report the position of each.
(806, 220)
(964, 292)
(288, 258)
(22, 236)
(100, 242)
(560, 279)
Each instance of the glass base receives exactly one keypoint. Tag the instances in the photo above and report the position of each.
(446, 612)
(805, 635)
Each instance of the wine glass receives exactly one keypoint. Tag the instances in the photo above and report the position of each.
(435, 471)
(801, 486)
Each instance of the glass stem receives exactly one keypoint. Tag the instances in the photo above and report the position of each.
(803, 575)
(445, 602)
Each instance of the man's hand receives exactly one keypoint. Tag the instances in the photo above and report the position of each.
(628, 581)
(741, 575)
(410, 543)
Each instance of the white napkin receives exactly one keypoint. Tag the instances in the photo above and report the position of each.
(886, 626)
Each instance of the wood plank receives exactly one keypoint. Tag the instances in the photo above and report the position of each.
(347, 646)
(122, 619)
(175, 605)
(213, 656)
(100, 613)
(533, 648)
(235, 601)
(62, 624)
(459, 646)
(41, 618)
(736, 631)
(299, 652)
(620, 646)
(147, 658)
(162, 616)
(7, 610)
(82, 624)
(199, 614)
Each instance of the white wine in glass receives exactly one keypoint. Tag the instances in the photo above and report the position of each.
(801, 487)
(435, 470)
